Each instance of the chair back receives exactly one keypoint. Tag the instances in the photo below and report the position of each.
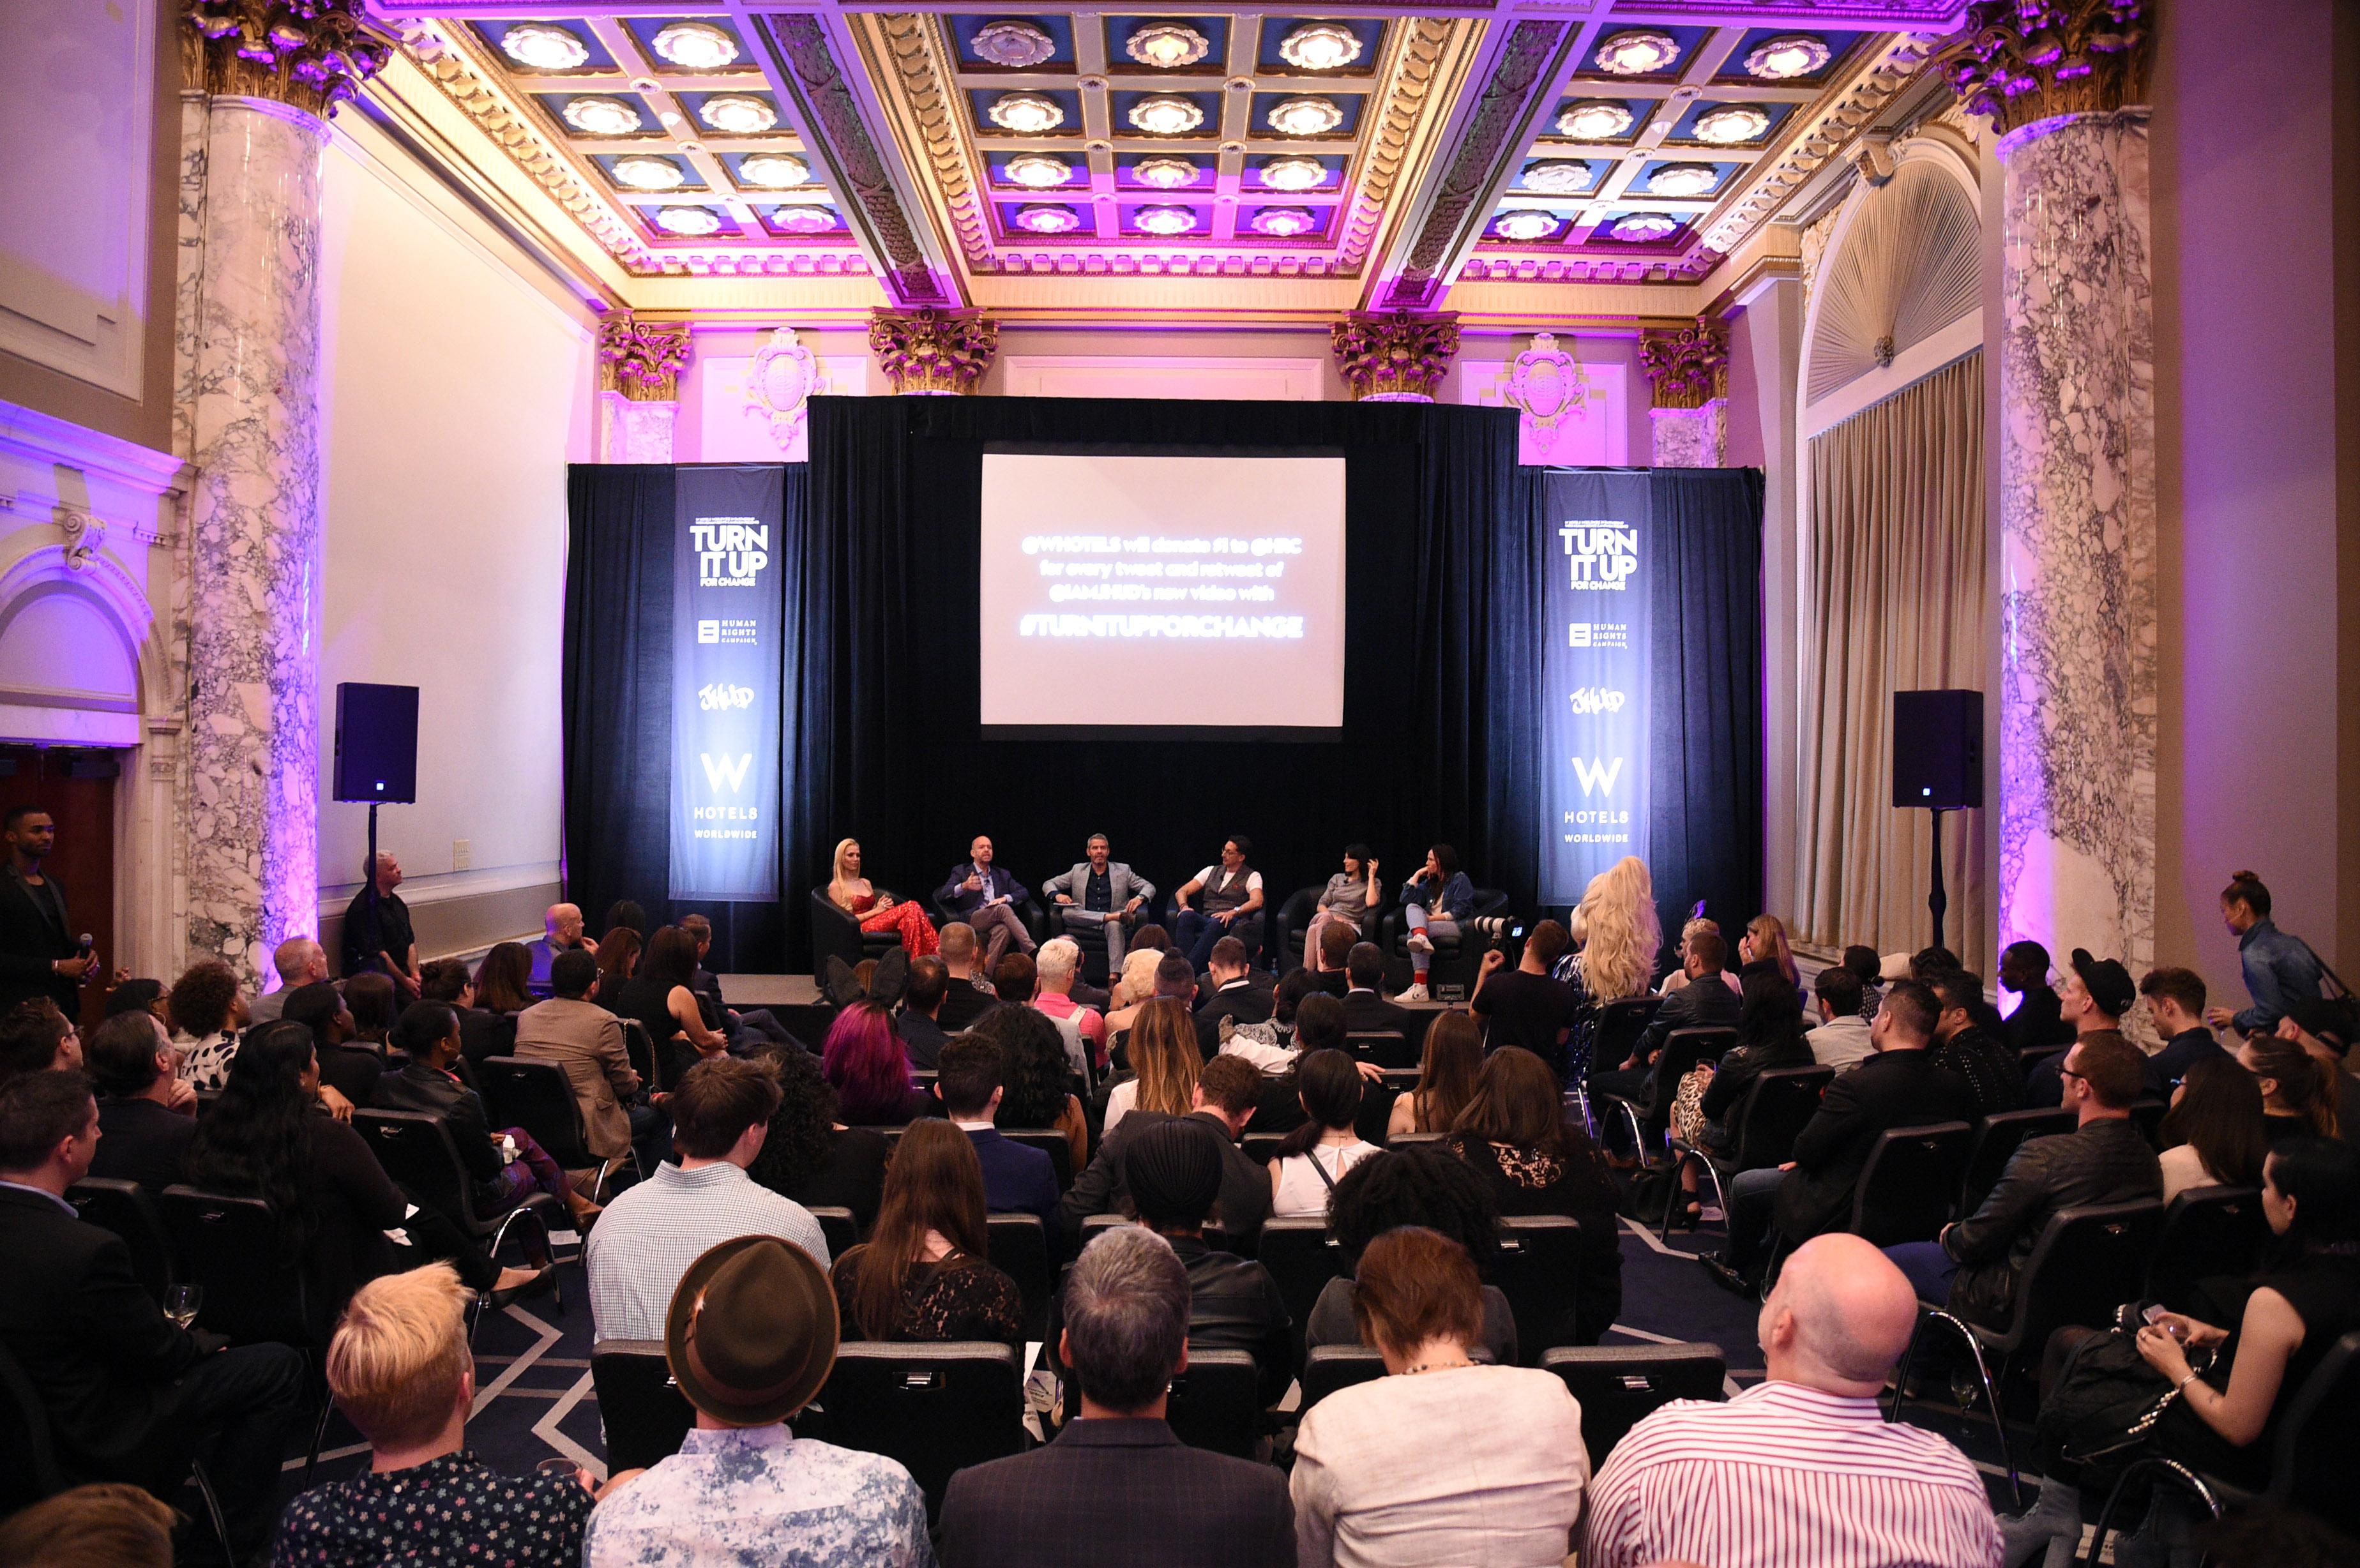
(2085, 1265)
(1376, 1113)
(646, 1416)
(839, 1228)
(2207, 1231)
(640, 1047)
(230, 1247)
(125, 1208)
(1618, 1385)
(834, 934)
(1620, 1025)
(2318, 1442)
(1907, 1185)
(1381, 1048)
(1301, 1259)
(1019, 1249)
(1332, 1366)
(937, 1408)
(1217, 1238)
(1262, 1147)
(1683, 1048)
(28, 1455)
(538, 1097)
(1997, 1138)
(1292, 925)
(2147, 1115)
(1778, 1103)
(416, 1150)
(1216, 1402)
(1536, 1268)
(1051, 1142)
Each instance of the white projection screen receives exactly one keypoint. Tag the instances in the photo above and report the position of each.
(1165, 592)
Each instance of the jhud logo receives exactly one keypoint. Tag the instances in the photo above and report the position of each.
(1600, 555)
(1598, 700)
(722, 696)
(729, 550)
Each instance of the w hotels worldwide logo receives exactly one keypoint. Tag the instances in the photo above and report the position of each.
(732, 771)
(1596, 777)
(1600, 555)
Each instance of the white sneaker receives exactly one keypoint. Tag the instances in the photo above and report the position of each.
(1420, 943)
(1415, 994)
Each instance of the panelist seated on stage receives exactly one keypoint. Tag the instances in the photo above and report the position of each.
(1433, 903)
(1228, 903)
(1100, 895)
(985, 897)
(874, 909)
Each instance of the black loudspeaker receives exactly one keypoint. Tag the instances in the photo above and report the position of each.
(1938, 749)
(377, 743)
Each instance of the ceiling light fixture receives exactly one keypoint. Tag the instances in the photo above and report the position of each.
(773, 171)
(697, 46)
(1167, 46)
(687, 221)
(738, 114)
(1165, 173)
(1166, 221)
(1285, 222)
(1523, 227)
(1595, 120)
(1306, 116)
(1014, 44)
(1731, 124)
(1049, 219)
(1038, 171)
(1026, 113)
(1683, 179)
(1560, 176)
(1295, 174)
(1320, 46)
(601, 116)
(649, 174)
(1787, 56)
(810, 220)
(1164, 115)
(1638, 52)
(544, 46)
(1640, 227)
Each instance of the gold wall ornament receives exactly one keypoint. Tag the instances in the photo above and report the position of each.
(1687, 366)
(641, 359)
(2020, 61)
(1396, 358)
(311, 54)
(931, 353)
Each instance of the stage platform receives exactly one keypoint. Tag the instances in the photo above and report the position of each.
(743, 991)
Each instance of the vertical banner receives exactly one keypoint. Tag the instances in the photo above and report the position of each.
(1594, 678)
(727, 609)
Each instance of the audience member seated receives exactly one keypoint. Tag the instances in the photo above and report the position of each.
(618, 961)
(139, 996)
(1992, 1072)
(1318, 1026)
(1522, 1006)
(650, 1234)
(1442, 1460)
(1229, 901)
(103, 1524)
(562, 931)
(2175, 1000)
(1764, 945)
(1800, 1470)
(1350, 899)
(34, 1037)
(146, 1116)
(658, 997)
(1769, 1036)
(922, 1035)
(1975, 1264)
(1332, 955)
(1695, 927)
(1812, 1192)
(2214, 1134)
(1017, 1178)
(1693, 1005)
(299, 961)
(809, 1155)
(1448, 1071)
(969, 994)
(207, 1013)
(2039, 1017)
(1134, 986)
(1270, 1044)
(507, 1167)
(585, 1039)
(128, 1396)
(1612, 938)
(1116, 1487)
(2279, 969)
(1016, 980)
(1059, 963)
(875, 909)
(718, 1014)
(1840, 1041)
(448, 980)
(1036, 1081)
(927, 1274)
(351, 1070)
(2098, 992)
(503, 990)
(1417, 1185)
(1174, 1175)
(401, 1372)
(1313, 1157)
(1863, 965)
(2305, 1299)
(1365, 1009)
(1227, 1091)
(369, 998)
(751, 1334)
(1515, 1135)
(2299, 1092)
(985, 896)
(1231, 995)
(1433, 903)
(2326, 1029)
(1164, 1061)
(865, 1064)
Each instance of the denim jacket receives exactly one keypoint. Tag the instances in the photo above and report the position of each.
(1458, 895)
(2279, 969)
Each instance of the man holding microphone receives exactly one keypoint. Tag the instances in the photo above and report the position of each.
(41, 955)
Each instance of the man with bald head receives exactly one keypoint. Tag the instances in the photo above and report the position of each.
(1802, 1469)
(299, 960)
(379, 937)
(561, 932)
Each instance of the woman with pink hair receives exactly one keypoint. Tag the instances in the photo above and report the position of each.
(865, 1064)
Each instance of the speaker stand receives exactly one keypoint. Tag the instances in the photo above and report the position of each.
(375, 928)
(1935, 900)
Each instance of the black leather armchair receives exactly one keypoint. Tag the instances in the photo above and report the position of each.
(835, 934)
(1028, 910)
(1455, 956)
(1288, 948)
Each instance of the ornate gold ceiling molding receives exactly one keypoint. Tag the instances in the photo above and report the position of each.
(310, 56)
(1417, 67)
(642, 359)
(2026, 60)
(919, 52)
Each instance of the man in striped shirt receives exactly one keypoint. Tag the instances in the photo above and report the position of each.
(1802, 1471)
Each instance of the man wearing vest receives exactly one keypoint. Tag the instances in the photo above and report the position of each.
(1228, 903)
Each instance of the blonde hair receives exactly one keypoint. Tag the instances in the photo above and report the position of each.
(1619, 909)
(1059, 957)
(1137, 982)
(1162, 1046)
(835, 882)
(399, 1355)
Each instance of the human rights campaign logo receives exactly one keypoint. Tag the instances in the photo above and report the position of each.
(730, 551)
(1600, 555)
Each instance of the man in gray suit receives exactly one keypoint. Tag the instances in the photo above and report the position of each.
(1099, 894)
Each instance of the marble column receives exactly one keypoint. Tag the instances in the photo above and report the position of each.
(639, 364)
(2077, 473)
(1688, 369)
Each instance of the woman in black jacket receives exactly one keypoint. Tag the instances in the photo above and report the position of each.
(1769, 1035)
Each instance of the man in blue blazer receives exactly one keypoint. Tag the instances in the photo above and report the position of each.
(1017, 1178)
(985, 897)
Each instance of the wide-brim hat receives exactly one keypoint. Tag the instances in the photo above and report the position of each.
(752, 1331)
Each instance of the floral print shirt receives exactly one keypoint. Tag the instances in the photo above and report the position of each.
(761, 1495)
(452, 1509)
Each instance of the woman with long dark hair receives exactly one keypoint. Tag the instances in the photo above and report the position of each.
(925, 1274)
(370, 1000)
(1433, 903)
(868, 1066)
(1313, 1157)
(1164, 1058)
(1515, 1133)
(659, 998)
(618, 961)
(2213, 1134)
(503, 988)
(1447, 1071)
(810, 1155)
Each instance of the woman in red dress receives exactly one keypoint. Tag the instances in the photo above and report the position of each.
(875, 910)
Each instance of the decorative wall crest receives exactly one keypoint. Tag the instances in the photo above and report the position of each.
(781, 383)
(642, 360)
(932, 353)
(312, 54)
(1548, 384)
(2019, 62)
(1687, 366)
(1396, 358)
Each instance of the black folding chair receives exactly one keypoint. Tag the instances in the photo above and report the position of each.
(125, 1208)
(646, 1416)
(1537, 1265)
(2147, 1115)
(1650, 1121)
(416, 1150)
(1997, 1138)
(1332, 1366)
(1051, 1142)
(937, 1408)
(1262, 1147)
(1381, 1048)
(839, 1229)
(640, 1047)
(1216, 1402)
(1019, 1249)
(2207, 1232)
(1301, 1259)
(1907, 1185)
(538, 1097)
(1618, 1385)
(1778, 1103)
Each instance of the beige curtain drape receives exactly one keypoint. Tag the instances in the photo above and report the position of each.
(1899, 584)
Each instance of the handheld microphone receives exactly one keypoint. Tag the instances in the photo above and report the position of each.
(85, 945)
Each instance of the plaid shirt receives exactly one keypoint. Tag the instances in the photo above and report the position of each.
(648, 1237)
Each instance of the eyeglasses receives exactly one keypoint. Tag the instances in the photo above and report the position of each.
(2068, 1073)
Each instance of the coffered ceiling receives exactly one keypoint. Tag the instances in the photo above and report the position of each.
(1216, 164)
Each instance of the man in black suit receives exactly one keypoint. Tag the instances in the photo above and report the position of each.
(129, 1397)
(2038, 1018)
(1228, 1089)
(1705, 1002)
(921, 1005)
(1234, 994)
(1336, 940)
(969, 995)
(145, 1116)
(39, 954)
(1811, 1193)
(1117, 1486)
(987, 899)
(1364, 1009)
